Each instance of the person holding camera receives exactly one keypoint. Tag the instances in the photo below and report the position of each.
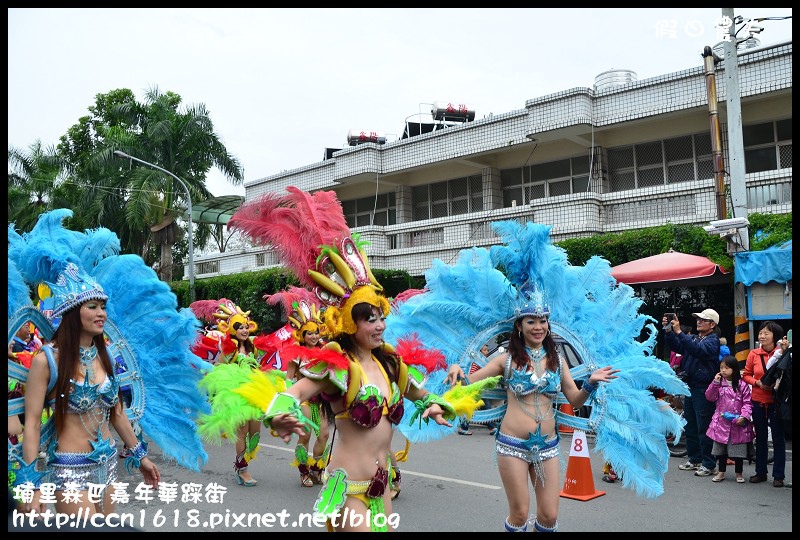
(700, 363)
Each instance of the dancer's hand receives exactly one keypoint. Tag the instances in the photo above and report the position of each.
(436, 413)
(605, 374)
(150, 472)
(284, 425)
(454, 374)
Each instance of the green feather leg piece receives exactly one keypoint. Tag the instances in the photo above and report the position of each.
(315, 417)
(377, 509)
(332, 496)
(251, 441)
(301, 454)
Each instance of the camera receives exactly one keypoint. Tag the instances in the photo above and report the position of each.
(669, 316)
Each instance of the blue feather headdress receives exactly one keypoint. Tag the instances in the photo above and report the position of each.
(531, 302)
(147, 334)
(472, 302)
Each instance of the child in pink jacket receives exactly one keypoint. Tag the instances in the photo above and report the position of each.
(731, 427)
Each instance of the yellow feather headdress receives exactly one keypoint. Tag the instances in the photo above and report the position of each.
(311, 235)
(228, 314)
(302, 311)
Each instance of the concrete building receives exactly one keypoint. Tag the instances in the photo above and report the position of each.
(624, 154)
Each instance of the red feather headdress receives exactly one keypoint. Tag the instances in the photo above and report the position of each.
(312, 237)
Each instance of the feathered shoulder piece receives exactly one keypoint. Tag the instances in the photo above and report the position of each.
(413, 353)
(328, 362)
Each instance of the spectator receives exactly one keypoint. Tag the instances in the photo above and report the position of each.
(700, 363)
(765, 418)
(731, 427)
(609, 475)
(724, 350)
(20, 342)
(779, 369)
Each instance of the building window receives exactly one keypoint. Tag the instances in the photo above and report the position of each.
(766, 195)
(371, 210)
(208, 267)
(448, 198)
(767, 146)
(267, 258)
(550, 179)
(681, 159)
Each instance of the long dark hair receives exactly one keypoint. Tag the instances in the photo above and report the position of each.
(731, 362)
(67, 340)
(248, 343)
(362, 312)
(516, 347)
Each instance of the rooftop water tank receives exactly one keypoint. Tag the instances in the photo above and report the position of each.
(614, 78)
(358, 136)
(453, 112)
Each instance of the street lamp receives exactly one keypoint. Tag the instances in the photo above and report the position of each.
(189, 199)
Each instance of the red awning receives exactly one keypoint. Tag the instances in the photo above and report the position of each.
(670, 266)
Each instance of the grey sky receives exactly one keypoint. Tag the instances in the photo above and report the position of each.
(281, 85)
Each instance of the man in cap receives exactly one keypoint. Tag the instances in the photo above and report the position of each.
(700, 362)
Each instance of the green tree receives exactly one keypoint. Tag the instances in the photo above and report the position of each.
(138, 202)
(35, 184)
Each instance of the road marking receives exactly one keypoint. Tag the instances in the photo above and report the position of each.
(453, 480)
(408, 472)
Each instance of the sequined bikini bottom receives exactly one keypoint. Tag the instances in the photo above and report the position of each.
(528, 451)
(79, 471)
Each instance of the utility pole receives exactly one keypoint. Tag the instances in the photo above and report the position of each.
(735, 142)
(738, 188)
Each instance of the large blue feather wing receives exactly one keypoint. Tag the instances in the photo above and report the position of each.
(466, 302)
(160, 336)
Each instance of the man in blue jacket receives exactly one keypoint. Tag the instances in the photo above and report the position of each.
(699, 364)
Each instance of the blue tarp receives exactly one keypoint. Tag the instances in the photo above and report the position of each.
(772, 264)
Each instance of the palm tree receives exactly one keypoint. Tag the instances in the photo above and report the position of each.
(139, 203)
(34, 183)
(183, 143)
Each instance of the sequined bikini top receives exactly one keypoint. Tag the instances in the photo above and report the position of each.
(523, 382)
(370, 405)
(84, 396)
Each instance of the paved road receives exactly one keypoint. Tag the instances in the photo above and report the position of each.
(453, 485)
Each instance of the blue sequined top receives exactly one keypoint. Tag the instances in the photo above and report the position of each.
(84, 396)
(523, 382)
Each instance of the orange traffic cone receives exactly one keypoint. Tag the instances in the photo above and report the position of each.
(566, 408)
(579, 482)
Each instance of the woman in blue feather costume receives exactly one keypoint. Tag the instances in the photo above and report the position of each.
(537, 294)
(105, 308)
